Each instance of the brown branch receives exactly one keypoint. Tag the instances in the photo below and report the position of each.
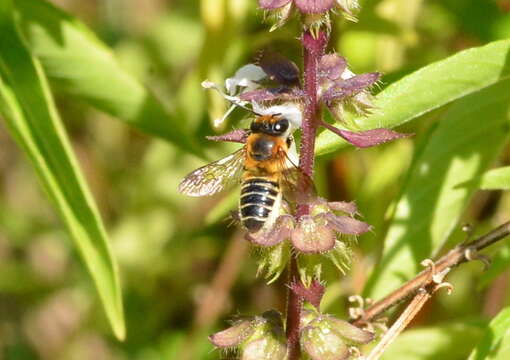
(455, 257)
(401, 323)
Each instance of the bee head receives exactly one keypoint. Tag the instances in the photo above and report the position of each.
(273, 125)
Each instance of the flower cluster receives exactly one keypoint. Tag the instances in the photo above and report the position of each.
(339, 90)
(327, 232)
(273, 86)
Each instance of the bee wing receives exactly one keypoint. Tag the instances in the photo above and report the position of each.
(214, 177)
(297, 186)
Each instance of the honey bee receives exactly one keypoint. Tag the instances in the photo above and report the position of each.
(260, 166)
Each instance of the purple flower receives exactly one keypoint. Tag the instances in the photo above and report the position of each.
(327, 232)
(314, 11)
(340, 88)
(271, 86)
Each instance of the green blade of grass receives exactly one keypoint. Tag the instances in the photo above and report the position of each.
(443, 341)
(431, 87)
(439, 184)
(82, 66)
(495, 343)
(496, 179)
(27, 106)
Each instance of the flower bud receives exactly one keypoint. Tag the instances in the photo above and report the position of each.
(328, 338)
(325, 234)
(234, 335)
(256, 338)
(273, 261)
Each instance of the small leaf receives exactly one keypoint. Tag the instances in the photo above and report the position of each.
(345, 224)
(343, 88)
(28, 108)
(237, 135)
(332, 66)
(368, 138)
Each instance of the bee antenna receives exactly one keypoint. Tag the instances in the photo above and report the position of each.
(244, 107)
(210, 85)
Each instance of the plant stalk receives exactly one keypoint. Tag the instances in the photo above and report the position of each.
(313, 49)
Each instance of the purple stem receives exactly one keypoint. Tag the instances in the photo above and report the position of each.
(314, 48)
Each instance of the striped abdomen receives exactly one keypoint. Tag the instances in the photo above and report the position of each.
(259, 197)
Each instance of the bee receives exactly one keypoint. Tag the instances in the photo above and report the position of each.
(260, 166)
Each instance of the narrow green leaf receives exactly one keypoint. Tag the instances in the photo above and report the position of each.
(28, 108)
(445, 341)
(84, 67)
(495, 343)
(430, 88)
(439, 183)
(496, 179)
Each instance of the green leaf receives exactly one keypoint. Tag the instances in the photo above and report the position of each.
(439, 183)
(445, 341)
(84, 67)
(495, 343)
(496, 179)
(431, 87)
(499, 264)
(28, 108)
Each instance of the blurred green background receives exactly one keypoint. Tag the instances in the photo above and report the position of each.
(184, 271)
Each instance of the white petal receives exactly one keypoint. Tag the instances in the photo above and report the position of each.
(217, 122)
(347, 74)
(206, 84)
(246, 76)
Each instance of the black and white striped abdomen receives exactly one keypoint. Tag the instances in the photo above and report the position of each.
(259, 197)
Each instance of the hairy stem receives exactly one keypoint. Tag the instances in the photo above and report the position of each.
(313, 48)
(460, 254)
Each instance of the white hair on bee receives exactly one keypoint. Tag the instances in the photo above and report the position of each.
(290, 111)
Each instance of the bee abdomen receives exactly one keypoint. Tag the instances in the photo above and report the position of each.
(258, 196)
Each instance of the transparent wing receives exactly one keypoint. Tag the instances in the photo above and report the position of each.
(214, 177)
(297, 186)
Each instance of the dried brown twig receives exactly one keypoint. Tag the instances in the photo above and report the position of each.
(423, 286)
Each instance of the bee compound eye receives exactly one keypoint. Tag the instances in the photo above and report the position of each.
(255, 127)
(282, 125)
